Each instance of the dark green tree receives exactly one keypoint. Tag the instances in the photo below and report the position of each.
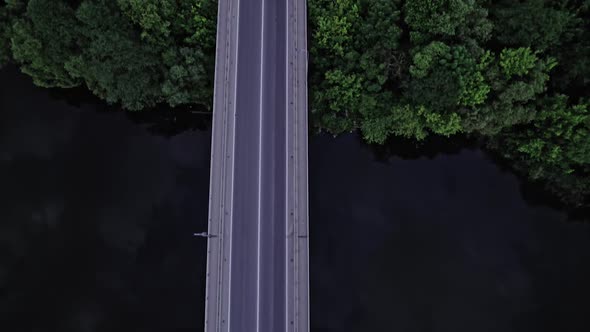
(517, 77)
(43, 40)
(9, 9)
(445, 20)
(444, 78)
(114, 63)
(558, 28)
(554, 148)
(136, 53)
(538, 24)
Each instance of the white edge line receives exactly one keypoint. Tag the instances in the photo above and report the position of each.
(231, 211)
(287, 143)
(260, 171)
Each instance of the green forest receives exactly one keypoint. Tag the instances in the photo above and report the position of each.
(512, 73)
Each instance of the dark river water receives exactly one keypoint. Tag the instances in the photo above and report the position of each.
(97, 212)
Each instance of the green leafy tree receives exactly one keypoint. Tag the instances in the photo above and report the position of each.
(410, 122)
(351, 62)
(554, 148)
(334, 22)
(573, 52)
(558, 137)
(114, 63)
(445, 78)
(446, 19)
(9, 10)
(43, 40)
(189, 79)
(136, 53)
(166, 22)
(511, 99)
(538, 24)
(152, 16)
(201, 24)
(517, 61)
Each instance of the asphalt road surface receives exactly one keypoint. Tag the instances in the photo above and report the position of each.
(257, 271)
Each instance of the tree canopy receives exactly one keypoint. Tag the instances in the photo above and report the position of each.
(134, 52)
(513, 72)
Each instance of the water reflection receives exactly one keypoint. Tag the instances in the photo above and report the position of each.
(96, 218)
(442, 242)
(534, 193)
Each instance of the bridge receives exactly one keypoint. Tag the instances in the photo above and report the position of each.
(257, 251)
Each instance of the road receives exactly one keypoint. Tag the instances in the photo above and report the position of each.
(257, 269)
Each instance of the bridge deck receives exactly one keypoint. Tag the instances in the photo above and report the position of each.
(257, 269)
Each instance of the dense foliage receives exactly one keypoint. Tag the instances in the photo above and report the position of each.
(134, 52)
(513, 72)
(554, 147)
